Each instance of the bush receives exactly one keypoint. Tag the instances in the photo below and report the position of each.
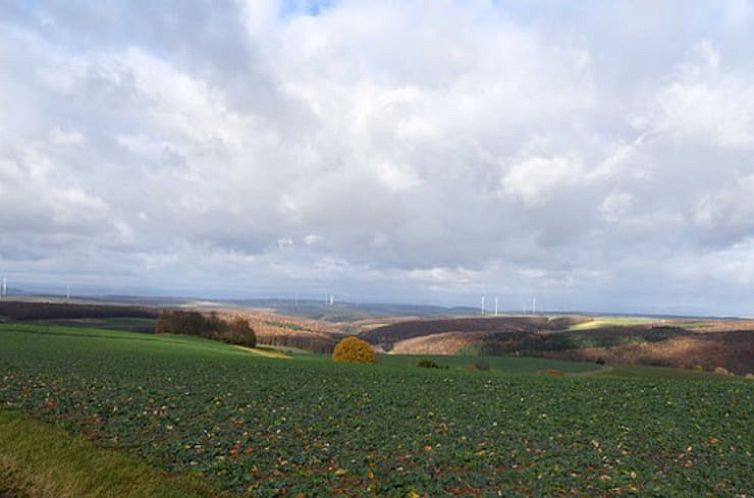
(430, 364)
(354, 350)
(479, 365)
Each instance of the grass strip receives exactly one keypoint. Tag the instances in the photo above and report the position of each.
(38, 460)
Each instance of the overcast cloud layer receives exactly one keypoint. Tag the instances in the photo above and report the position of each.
(597, 154)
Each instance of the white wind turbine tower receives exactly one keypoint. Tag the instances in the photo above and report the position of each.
(534, 305)
(67, 292)
(483, 305)
(4, 288)
(495, 305)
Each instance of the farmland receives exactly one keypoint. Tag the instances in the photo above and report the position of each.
(255, 426)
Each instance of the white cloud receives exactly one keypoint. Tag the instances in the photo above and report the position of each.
(66, 137)
(616, 205)
(706, 102)
(396, 150)
(534, 179)
(395, 177)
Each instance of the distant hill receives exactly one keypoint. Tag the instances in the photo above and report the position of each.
(390, 334)
(686, 343)
(340, 312)
(26, 310)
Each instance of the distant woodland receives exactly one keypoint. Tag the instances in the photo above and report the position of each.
(21, 310)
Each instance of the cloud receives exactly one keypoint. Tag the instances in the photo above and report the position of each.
(418, 151)
(615, 206)
(534, 179)
(705, 102)
(66, 137)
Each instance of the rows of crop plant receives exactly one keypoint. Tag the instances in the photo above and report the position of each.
(280, 427)
(508, 364)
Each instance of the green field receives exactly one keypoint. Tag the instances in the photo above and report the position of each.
(253, 426)
(497, 364)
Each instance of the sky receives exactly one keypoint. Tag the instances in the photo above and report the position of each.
(597, 155)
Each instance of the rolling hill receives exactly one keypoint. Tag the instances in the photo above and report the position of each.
(700, 344)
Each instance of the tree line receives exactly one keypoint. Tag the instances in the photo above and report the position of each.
(24, 310)
(234, 331)
(307, 342)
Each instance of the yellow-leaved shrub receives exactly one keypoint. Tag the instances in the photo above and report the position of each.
(354, 350)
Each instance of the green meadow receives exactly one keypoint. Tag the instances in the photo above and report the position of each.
(87, 410)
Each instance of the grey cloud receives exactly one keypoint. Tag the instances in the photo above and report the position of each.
(596, 155)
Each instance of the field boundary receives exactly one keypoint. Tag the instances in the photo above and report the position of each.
(39, 460)
(265, 352)
(601, 370)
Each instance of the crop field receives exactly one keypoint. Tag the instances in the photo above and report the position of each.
(254, 426)
(505, 364)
